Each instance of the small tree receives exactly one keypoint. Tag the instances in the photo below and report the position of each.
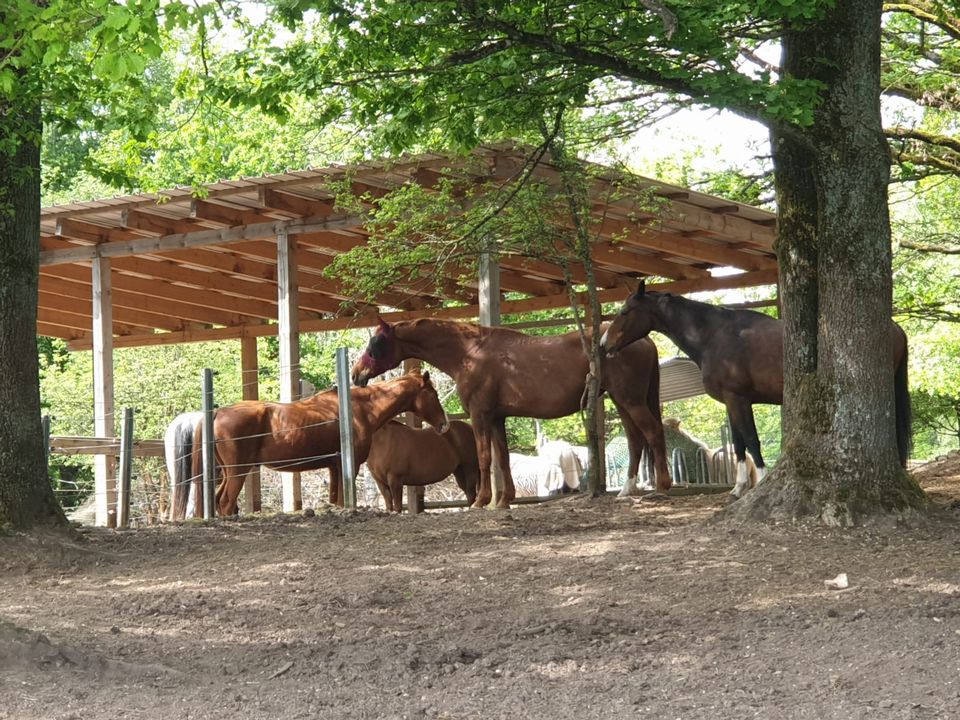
(420, 236)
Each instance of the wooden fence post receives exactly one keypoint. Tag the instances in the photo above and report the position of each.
(126, 468)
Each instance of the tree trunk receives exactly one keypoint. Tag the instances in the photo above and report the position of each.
(575, 192)
(840, 462)
(26, 497)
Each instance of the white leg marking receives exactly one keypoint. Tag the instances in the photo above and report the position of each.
(629, 488)
(761, 474)
(743, 479)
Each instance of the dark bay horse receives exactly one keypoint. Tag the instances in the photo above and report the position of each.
(740, 355)
(401, 455)
(305, 435)
(501, 373)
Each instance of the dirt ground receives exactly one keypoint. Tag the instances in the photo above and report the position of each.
(573, 609)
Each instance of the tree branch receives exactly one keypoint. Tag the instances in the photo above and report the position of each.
(930, 248)
(944, 141)
(930, 12)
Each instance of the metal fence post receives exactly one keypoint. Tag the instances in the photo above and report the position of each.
(348, 467)
(126, 468)
(209, 447)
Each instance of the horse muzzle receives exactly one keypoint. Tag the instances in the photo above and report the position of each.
(361, 377)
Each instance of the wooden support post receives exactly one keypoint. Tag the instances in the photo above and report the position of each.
(415, 493)
(348, 463)
(126, 469)
(489, 299)
(289, 336)
(489, 290)
(250, 384)
(104, 466)
(209, 447)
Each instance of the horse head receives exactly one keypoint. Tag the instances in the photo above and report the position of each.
(426, 404)
(635, 321)
(381, 354)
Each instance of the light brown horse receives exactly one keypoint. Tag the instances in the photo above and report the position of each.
(401, 455)
(501, 373)
(740, 355)
(305, 435)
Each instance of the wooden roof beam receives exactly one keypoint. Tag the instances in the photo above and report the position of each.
(514, 281)
(77, 321)
(294, 205)
(221, 214)
(92, 233)
(238, 310)
(169, 270)
(158, 224)
(121, 315)
(53, 329)
(79, 288)
(618, 256)
(553, 271)
(758, 234)
(331, 243)
(750, 279)
(199, 238)
(652, 237)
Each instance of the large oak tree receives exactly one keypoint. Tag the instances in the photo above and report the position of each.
(61, 61)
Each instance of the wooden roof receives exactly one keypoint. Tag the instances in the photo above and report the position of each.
(186, 268)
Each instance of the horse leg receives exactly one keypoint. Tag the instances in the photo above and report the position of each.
(384, 490)
(394, 494)
(467, 482)
(651, 428)
(336, 483)
(635, 445)
(228, 491)
(745, 437)
(502, 453)
(481, 429)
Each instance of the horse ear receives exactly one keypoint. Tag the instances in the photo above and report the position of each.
(382, 324)
(426, 377)
(641, 288)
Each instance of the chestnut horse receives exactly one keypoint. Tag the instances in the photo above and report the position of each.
(305, 435)
(502, 373)
(401, 455)
(740, 355)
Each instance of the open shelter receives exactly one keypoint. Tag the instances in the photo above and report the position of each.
(244, 258)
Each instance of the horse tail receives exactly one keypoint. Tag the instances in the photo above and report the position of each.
(178, 449)
(903, 411)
